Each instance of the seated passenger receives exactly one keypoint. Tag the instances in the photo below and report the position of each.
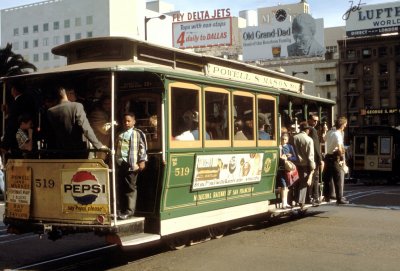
(186, 134)
(195, 125)
(239, 134)
(262, 122)
(190, 129)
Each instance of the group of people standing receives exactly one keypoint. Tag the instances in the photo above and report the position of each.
(301, 184)
(68, 128)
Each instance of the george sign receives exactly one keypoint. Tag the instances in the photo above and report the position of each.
(372, 20)
(85, 191)
(379, 111)
(194, 34)
(252, 78)
(304, 36)
(227, 169)
(18, 192)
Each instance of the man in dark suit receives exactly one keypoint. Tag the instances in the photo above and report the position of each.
(313, 190)
(304, 147)
(21, 104)
(69, 124)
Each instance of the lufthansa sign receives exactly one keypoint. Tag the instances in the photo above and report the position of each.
(370, 20)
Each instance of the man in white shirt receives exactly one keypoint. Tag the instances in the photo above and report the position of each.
(335, 161)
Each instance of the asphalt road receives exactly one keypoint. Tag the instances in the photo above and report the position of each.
(361, 236)
(328, 238)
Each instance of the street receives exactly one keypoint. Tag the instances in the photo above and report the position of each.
(359, 236)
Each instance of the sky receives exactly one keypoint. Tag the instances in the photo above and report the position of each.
(330, 10)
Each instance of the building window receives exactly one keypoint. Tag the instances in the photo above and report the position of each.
(367, 53)
(78, 21)
(16, 32)
(367, 69)
(89, 20)
(26, 44)
(56, 57)
(25, 30)
(67, 23)
(35, 57)
(332, 49)
(56, 40)
(67, 38)
(383, 84)
(45, 41)
(367, 85)
(89, 34)
(35, 28)
(45, 56)
(45, 27)
(385, 102)
(35, 43)
(330, 77)
(15, 45)
(56, 25)
(383, 69)
(351, 54)
(78, 36)
(397, 50)
(382, 51)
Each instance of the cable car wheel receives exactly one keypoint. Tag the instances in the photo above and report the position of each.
(177, 242)
(217, 231)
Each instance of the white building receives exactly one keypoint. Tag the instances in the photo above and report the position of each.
(33, 30)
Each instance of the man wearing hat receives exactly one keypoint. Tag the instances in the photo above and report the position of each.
(262, 121)
(304, 147)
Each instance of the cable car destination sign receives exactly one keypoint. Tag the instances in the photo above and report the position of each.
(251, 78)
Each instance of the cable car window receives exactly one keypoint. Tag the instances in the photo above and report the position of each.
(217, 120)
(244, 117)
(372, 145)
(185, 117)
(359, 145)
(266, 119)
(385, 145)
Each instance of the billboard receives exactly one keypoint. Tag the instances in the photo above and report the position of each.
(202, 28)
(302, 37)
(371, 20)
(195, 34)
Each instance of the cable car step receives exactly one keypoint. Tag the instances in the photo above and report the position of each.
(138, 239)
(130, 226)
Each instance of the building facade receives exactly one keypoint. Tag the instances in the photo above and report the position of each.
(369, 76)
(33, 30)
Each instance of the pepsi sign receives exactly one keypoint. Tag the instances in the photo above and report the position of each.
(84, 187)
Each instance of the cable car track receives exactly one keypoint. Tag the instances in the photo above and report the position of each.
(52, 264)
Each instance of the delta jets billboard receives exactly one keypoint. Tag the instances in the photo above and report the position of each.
(202, 29)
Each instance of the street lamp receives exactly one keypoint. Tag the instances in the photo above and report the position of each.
(304, 72)
(147, 19)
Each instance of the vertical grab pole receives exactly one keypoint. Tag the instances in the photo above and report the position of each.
(113, 176)
(3, 123)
